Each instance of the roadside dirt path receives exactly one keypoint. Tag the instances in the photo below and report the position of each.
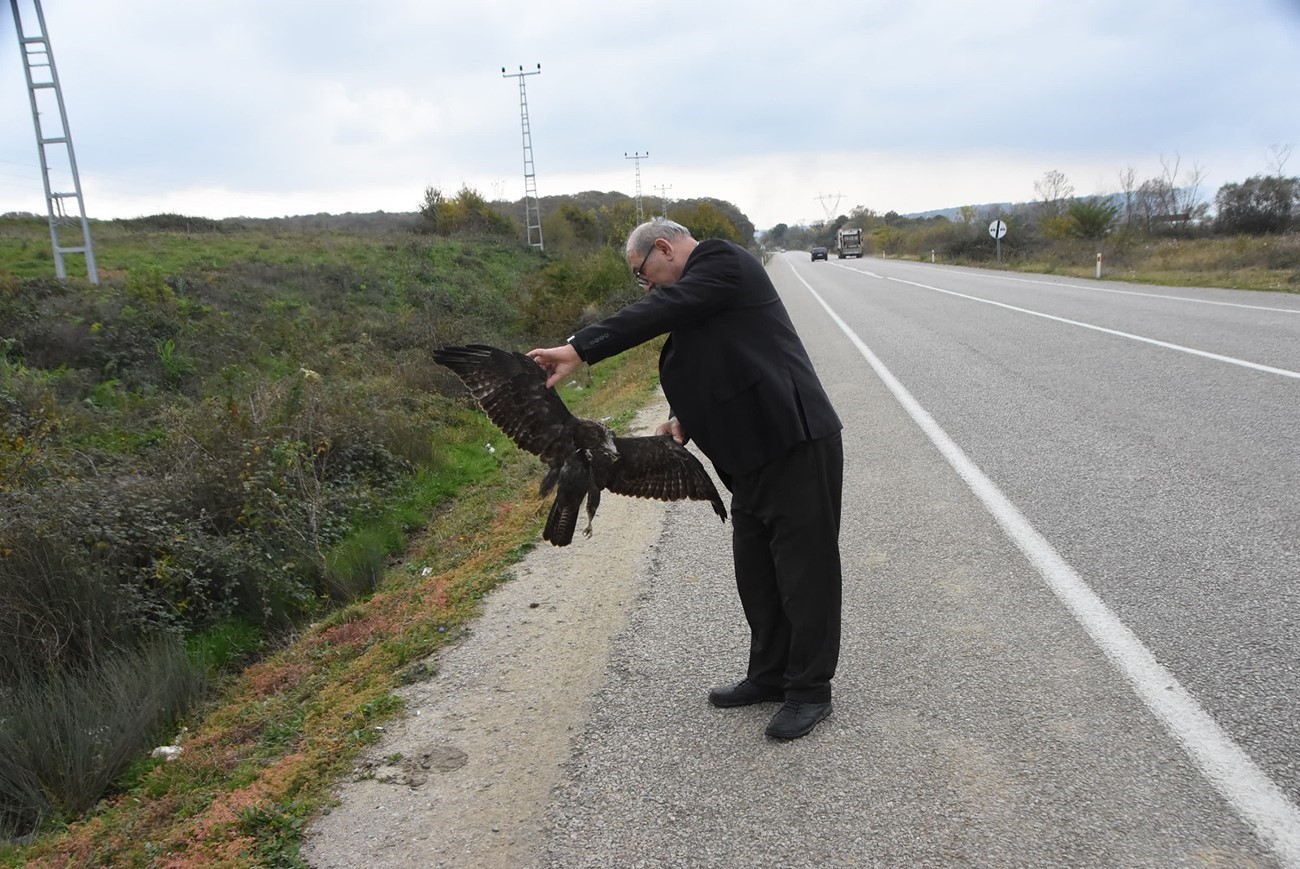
(464, 779)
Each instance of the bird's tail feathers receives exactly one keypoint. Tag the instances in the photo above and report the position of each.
(560, 524)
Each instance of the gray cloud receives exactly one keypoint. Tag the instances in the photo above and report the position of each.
(310, 105)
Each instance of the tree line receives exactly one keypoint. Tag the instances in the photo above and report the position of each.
(1170, 204)
(576, 223)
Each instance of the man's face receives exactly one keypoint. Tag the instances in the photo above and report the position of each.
(647, 268)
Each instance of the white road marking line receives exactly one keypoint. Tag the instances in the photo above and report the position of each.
(1231, 360)
(1251, 793)
(978, 274)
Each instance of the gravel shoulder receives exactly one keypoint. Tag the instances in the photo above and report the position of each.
(465, 777)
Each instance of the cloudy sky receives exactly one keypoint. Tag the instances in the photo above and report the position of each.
(277, 107)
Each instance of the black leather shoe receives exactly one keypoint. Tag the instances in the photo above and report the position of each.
(797, 719)
(744, 693)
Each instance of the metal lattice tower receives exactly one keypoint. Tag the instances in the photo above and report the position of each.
(638, 157)
(58, 162)
(532, 209)
(662, 190)
(833, 207)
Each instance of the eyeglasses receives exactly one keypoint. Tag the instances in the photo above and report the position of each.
(639, 271)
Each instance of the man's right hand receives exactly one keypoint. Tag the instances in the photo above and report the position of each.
(674, 428)
(559, 362)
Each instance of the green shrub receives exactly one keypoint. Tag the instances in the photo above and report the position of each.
(467, 213)
(226, 644)
(573, 291)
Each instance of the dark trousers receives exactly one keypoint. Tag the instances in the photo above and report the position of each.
(785, 543)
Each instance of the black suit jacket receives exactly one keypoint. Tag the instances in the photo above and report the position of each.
(734, 370)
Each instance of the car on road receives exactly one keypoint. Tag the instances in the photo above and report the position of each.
(818, 253)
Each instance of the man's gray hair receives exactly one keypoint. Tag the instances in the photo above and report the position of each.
(641, 239)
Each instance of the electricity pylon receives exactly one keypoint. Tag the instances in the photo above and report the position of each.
(638, 157)
(532, 209)
(830, 209)
(58, 161)
(662, 190)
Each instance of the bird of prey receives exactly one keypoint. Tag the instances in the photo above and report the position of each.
(583, 456)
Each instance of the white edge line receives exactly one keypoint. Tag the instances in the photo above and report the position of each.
(1231, 360)
(977, 273)
(1247, 789)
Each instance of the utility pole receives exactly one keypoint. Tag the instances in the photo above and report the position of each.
(638, 157)
(42, 79)
(662, 190)
(532, 209)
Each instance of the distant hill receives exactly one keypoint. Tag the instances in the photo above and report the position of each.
(373, 221)
(1116, 199)
(383, 221)
(595, 200)
(955, 213)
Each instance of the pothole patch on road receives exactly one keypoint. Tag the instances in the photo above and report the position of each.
(413, 772)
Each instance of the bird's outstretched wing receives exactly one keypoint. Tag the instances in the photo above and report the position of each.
(511, 389)
(658, 467)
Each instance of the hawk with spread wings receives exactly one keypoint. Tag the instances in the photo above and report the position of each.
(583, 456)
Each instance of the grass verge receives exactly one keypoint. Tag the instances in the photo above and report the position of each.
(1269, 263)
(262, 759)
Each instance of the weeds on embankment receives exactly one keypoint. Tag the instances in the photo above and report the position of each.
(211, 467)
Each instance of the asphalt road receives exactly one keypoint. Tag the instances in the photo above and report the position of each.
(1072, 598)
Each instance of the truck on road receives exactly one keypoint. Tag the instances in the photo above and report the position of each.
(848, 243)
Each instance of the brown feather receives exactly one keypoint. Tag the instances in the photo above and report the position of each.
(582, 455)
(660, 468)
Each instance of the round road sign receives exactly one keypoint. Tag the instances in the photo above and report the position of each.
(997, 229)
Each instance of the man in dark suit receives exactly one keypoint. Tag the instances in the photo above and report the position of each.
(740, 384)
